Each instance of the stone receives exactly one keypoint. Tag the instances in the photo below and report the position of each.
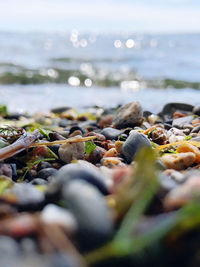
(55, 214)
(28, 196)
(111, 133)
(82, 171)
(93, 216)
(45, 173)
(196, 110)
(72, 151)
(129, 115)
(178, 161)
(182, 194)
(180, 122)
(134, 142)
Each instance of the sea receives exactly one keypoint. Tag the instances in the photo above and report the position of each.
(42, 70)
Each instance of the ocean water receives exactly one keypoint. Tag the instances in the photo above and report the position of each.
(43, 70)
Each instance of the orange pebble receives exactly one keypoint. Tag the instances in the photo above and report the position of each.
(186, 147)
(111, 145)
(111, 153)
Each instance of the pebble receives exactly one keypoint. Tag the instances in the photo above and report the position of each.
(182, 194)
(43, 165)
(91, 212)
(196, 129)
(178, 161)
(134, 142)
(38, 181)
(6, 169)
(83, 171)
(69, 152)
(96, 155)
(45, 173)
(28, 196)
(196, 110)
(55, 214)
(170, 108)
(111, 133)
(129, 115)
(180, 122)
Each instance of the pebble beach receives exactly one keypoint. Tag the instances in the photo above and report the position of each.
(113, 185)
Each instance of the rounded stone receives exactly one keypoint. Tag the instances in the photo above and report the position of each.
(133, 143)
(196, 110)
(38, 181)
(45, 173)
(82, 171)
(28, 196)
(129, 115)
(95, 225)
(71, 151)
(111, 133)
(43, 165)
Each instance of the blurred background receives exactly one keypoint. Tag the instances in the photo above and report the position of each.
(109, 52)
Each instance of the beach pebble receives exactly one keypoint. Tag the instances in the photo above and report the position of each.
(118, 146)
(60, 109)
(38, 181)
(28, 196)
(178, 161)
(196, 129)
(106, 121)
(111, 133)
(96, 155)
(186, 147)
(54, 214)
(134, 142)
(43, 165)
(111, 162)
(82, 171)
(196, 110)
(170, 108)
(45, 173)
(180, 122)
(129, 115)
(167, 183)
(91, 212)
(69, 152)
(111, 153)
(182, 194)
(175, 135)
(6, 169)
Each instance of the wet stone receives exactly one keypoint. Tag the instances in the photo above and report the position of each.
(45, 173)
(134, 142)
(6, 169)
(111, 133)
(39, 181)
(196, 129)
(91, 212)
(196, 110)
(69, 152)
(170, 108)
(55, 214)
(28, 196)
(60, 109)
(82, 171)
(43, 165)
(180, 122)
(128, 115)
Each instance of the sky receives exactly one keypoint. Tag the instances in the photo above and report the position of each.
(152, 16)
